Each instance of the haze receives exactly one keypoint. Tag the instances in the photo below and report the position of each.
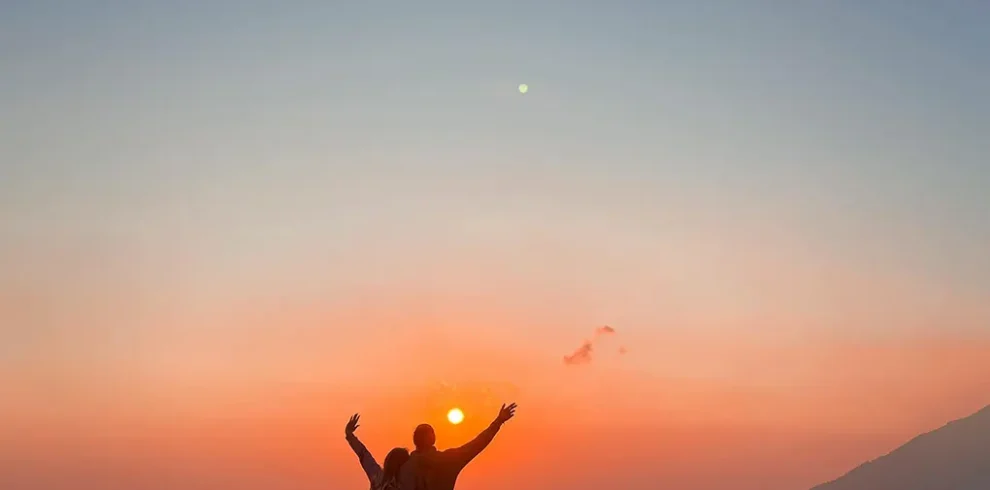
(226, 226)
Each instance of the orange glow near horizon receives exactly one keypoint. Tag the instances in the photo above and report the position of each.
(260, 394)
(272, 383)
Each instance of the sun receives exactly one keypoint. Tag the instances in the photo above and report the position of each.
(455, 416)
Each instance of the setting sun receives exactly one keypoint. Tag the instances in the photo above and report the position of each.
(455, 416)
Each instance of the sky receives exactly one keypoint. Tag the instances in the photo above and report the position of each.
(227, 226)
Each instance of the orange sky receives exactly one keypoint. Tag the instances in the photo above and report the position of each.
(265, 387)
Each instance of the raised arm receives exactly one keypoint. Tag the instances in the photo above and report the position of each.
(464, 454)
(368, 463)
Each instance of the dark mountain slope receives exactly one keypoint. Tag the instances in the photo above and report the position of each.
(954, 457)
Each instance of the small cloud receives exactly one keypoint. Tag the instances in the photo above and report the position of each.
(622, 350)
(583, 354)
(580, 356)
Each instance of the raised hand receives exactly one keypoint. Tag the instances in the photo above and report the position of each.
(506, 413)
(352, 425)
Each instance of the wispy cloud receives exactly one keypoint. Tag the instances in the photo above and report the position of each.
(583, 354)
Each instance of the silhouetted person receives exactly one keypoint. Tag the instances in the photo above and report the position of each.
(381, 478)
(430, 469)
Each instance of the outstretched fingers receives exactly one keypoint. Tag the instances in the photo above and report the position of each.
(352, 423)
(507, 412)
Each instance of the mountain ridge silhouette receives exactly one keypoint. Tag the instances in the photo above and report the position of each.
(955, 456)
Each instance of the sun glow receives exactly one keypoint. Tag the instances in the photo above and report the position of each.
(455, 416)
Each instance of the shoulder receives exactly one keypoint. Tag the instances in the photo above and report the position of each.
(447, 456)
(409, 467)
(385, 485)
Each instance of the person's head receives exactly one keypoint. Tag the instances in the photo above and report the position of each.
(393, 462)
(424, 437)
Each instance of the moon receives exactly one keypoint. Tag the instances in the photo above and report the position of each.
(523, 88)
(455, 416)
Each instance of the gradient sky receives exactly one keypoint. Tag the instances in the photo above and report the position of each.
(227, 225)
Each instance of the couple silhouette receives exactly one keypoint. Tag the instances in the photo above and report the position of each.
(426, 468)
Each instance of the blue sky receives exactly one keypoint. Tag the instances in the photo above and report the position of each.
(215, 140)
